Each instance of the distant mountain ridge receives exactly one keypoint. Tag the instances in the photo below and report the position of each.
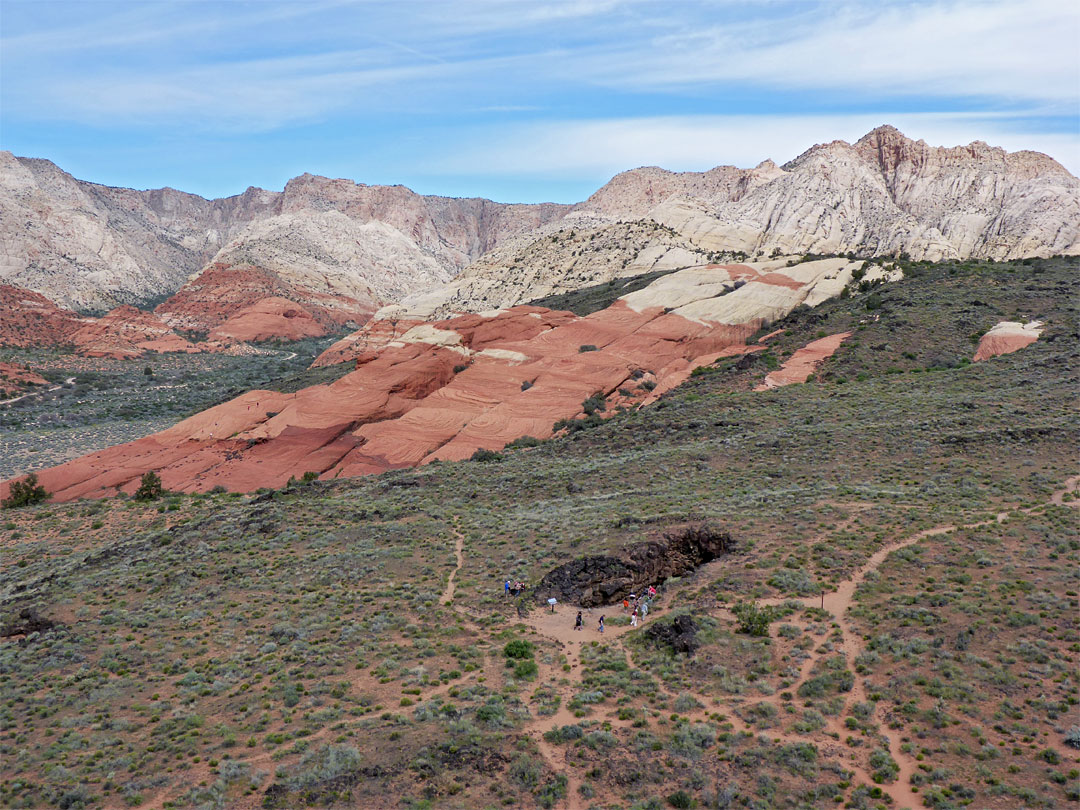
(884, 195)
(90, 247)
(349, 248)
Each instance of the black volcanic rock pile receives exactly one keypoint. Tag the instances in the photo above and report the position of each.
(603, 580)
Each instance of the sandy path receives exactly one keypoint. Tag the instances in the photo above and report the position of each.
(459, 554)
(559, 627)
(68, 381)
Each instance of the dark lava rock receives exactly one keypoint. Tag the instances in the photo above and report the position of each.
(603, 580)
(680, 635)
(28, 621)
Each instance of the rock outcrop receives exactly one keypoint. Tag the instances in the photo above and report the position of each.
(127, 332)
(427, 391)
(804, 362)
(1007, 337)
(679, 635)
(603, 580)
(267, 319)
(225, 291)
(30, 319)
(88, 246)
(885, 195)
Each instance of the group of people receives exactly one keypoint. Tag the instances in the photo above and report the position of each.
(513, 590)
(637, 606)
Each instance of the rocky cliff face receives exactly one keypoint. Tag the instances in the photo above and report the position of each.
(884, 195)
(87, 246)
(90, 246)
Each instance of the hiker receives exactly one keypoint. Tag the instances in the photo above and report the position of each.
(601, 628)
(645, 610)
(652, 591)
(633, 618)
(578, 621)
(625, 604)
(506, 588)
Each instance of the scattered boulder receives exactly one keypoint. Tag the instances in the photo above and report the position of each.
(28, 621)
(680, 634)
(602, 580)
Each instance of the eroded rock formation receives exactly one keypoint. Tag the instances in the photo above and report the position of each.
(91, 247)
(1007, 337)
(426, 391)
(603, 580)
(804, 362)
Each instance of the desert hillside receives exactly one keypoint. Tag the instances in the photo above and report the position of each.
(866, 588)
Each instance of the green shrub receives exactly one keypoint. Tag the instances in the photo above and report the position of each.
(588, 347)
(519, 648)
(25, 492)
(485, 455)
(150, 488)
(594, 403)
(526, 670)
(681, 799)
(754, 620)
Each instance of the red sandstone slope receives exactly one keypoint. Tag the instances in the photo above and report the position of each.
(1007, 337)
(13, 378)
(268, 319)
(428, 391)
(29, 319)
(127, 332)
(221, 292)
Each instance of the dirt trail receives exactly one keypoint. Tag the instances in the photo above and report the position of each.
(68, 381)
(459, 552)
(559, 627)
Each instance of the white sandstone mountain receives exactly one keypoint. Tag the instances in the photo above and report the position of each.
(89, 246)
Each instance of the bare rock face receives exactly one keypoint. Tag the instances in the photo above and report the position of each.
(886, 195)
(426, 391)
(882, 196)
(680, 634)
(30, 319)
(1007, 337)
(127, 332)
(267, 319)
(804, 362)
(87, 246)
(603, 580)
(91, 247)
(224, 291)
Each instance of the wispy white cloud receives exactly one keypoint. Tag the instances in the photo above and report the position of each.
(994, 48)
(683, 143)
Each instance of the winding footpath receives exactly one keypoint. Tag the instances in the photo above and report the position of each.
(558, 627)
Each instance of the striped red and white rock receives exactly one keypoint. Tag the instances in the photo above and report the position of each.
(1007, 337)
(423, 392)
(223, 292)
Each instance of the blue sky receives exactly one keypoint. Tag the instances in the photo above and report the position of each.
(517, 101)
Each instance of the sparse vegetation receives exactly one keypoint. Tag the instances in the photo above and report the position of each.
(290, 647)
